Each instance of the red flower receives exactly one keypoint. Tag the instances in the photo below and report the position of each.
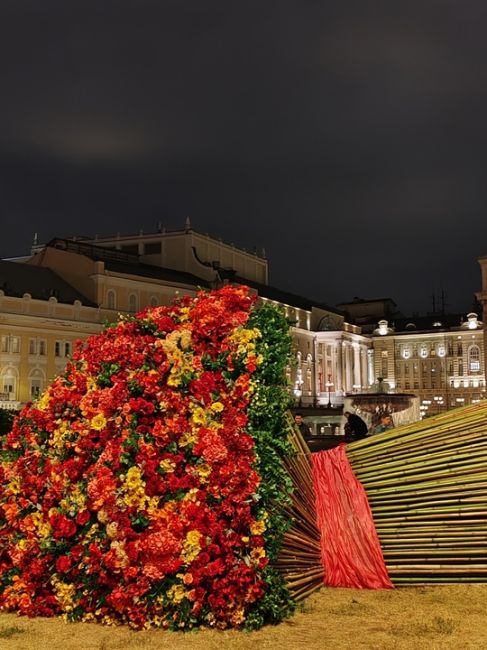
(64, 563)
(62, 526)
(83, 517)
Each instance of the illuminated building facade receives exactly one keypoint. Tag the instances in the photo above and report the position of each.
(438, 358)
(104, 277)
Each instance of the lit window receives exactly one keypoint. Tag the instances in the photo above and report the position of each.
(474, 358)
(35, 388)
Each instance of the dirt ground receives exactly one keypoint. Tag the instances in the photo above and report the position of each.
(430, 618)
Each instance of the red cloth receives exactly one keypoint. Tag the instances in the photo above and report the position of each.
(350, 548)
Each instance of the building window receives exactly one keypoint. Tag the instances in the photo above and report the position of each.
(460, 367)
(57, 348)
(153, 301)
(9, 384)
(111, 300)
(132, 302)
(36, 378)
(474, 358)
(10, 344)
(42, 347)
(459, 349)
(32, 346)
(67, 349)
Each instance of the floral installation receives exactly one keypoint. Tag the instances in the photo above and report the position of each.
(144, 486)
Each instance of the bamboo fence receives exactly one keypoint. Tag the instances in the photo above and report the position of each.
(300, 557)
(427, 483)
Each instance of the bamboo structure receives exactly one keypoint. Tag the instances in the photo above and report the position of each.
(427, 483)
(300, 557)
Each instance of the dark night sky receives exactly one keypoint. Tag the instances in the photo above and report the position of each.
(348, 138)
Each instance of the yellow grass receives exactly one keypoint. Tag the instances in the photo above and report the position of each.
(432, 618)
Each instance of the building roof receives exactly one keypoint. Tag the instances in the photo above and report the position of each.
(358, 301)
(127, 263)
(286, 298)
(428, 323)
(17, 279)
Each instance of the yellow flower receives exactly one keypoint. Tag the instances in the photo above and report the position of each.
(257, 553)
(98, 422)
(65, 593)
(186, 439)
(167, 465)
(191, 495)
(176, 593)
(238, 616)
(112, 529)
(203, 471)
(199, 416)
(257, 527)
(217, 407)
(102, 516)
(134, 489)
(173, 380)
(185, 340)
(183, 314)
(43, 401)
(191, 546)
(14, 486)
(193, 537)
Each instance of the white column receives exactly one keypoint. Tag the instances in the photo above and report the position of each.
(357, 377)
(363, 365)
(370, 366)
(348, 367)
(337, 365)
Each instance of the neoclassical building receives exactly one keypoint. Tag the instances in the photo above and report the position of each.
(68, 288)
(41, 316)
(83, 283)
(439, 358)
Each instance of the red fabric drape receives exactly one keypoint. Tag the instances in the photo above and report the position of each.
(350, 548)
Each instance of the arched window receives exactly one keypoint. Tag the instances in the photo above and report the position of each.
(474, 358)
(111, 299)
(132, 302)
(37, 381)
(8, 384)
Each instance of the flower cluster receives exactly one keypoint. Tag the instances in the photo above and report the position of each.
(140, 487)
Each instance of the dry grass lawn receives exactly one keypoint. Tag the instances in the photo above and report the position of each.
(430, 618)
